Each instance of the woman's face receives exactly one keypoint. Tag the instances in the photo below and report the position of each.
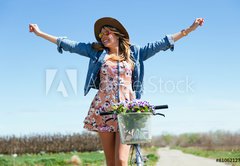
(108, 38)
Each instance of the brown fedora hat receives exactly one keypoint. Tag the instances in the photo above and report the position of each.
(108, 21)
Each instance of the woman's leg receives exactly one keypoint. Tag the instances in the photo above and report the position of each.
(121, 152)
(108, 143)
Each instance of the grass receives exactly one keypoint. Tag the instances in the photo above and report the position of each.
(61, 159)
(151, 154)
(56, 159)
(214, 154)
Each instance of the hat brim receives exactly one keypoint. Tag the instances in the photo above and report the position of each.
(109, 21)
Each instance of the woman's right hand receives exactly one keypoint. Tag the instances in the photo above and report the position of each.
(197, 22)
(34, 28)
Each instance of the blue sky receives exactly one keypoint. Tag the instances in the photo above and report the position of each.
(199, 80)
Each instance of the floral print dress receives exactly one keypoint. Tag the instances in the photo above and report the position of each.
(115, 86)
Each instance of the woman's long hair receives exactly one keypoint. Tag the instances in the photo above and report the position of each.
(124, 47)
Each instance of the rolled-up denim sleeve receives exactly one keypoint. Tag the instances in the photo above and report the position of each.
(152, 48)
(59, 41)
(63, 43)
(170, 41)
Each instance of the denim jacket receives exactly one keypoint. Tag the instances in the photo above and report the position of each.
(96, 59)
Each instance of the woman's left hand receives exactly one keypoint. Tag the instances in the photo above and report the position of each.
(196, 23)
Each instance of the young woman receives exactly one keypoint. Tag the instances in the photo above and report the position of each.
(116, 70)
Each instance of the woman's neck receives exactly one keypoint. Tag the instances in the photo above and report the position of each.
(114, 50)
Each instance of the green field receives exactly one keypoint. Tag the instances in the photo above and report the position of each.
(57, 159)
(214, 154)
(63, 159)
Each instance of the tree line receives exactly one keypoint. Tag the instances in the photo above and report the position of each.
(55, 143)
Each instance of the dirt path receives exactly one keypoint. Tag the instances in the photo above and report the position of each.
(170, 157)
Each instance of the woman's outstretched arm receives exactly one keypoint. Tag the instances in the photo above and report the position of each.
(185, 32)
(35, 29)
(64, 44)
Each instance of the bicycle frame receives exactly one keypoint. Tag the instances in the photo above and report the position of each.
(139, 159)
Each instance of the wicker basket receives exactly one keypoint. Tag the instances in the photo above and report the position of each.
(134, 128)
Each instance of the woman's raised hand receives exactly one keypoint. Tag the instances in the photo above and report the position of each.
(196, 23)
(35, 29)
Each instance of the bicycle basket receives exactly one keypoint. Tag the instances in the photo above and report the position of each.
(134, 128)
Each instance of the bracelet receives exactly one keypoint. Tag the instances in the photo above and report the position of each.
(184, 32)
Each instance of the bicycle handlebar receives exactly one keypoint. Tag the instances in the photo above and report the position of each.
(158, 107)
(107, 113)
(155, 107)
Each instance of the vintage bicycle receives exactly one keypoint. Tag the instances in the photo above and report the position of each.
(135, 127)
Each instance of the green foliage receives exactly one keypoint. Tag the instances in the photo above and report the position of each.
(50, 161)
(167, 139)
(133, 106)
(189, 139)
(133, 121)
(61, 159)
(5, 162)
(214, 154)
(152, 157)
(92, 157)
(55, 159)
(218, 140)
(210, 153)
(134, 127)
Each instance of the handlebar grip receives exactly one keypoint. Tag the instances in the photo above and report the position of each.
(106, 113)
(157, 107)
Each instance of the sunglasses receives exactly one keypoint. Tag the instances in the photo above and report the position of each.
(100, 35)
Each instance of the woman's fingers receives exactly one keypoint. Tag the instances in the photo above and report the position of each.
(200, 21)
(33, 28)
(30, 28)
